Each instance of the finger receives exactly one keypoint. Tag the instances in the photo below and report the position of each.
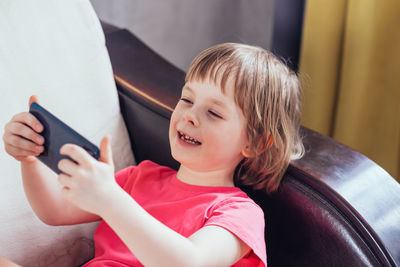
(19, 129)
(76, 153)
(30, 120)
(67, 166)
(26, 159)
(105, 150)
(22, 146)
(18, 152)
(32, 99)
(65, 180)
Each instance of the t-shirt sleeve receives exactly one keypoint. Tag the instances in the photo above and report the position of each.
(245, 219)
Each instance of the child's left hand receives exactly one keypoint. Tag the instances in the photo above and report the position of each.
(89, 182)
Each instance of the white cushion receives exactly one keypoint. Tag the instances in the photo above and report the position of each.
(56, 50)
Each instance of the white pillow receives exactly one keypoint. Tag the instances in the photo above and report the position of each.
(56, 50)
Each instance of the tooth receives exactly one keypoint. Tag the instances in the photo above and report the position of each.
(188, 139)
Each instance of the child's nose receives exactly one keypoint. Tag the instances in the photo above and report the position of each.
(192, 118)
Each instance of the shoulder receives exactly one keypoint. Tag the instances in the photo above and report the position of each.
(245, 219)
(238, 210)
(240, 206)
(146, 166)
(145, 169)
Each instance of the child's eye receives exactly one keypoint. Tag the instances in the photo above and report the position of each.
(186, 100)
(214, 114)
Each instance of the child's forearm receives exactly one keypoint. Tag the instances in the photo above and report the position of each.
(40, 189)
(153, 243)
(44, 195)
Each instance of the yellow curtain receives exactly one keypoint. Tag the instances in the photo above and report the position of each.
(350, 71)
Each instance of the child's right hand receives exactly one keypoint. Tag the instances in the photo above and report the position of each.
(21, 136)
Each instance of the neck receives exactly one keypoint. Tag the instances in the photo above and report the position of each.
(205, 178)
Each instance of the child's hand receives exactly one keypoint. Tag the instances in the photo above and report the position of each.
(21, 136)
(88, 182)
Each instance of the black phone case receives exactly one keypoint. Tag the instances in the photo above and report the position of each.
(56, 133)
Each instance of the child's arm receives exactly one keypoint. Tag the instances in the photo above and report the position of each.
(22, 141)
(91, 186)
(154, 244)
(44, 194)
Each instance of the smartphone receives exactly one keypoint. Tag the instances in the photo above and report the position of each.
(56, 133)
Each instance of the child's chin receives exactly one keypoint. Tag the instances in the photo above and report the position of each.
(176, 158)
(179, 157)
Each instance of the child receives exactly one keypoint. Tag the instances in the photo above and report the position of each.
(236, 123)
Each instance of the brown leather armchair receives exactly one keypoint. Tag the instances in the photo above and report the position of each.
(335, 206)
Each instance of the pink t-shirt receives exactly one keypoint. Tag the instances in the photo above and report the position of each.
(184, 208)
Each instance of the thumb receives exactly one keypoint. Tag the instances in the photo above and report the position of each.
(105, 151)
(32, 99)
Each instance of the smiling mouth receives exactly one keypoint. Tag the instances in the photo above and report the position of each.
(188, 139)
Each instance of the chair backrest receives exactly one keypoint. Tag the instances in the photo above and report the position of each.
(335, 207)
(287, 30)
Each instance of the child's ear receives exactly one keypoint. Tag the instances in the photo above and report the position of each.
(262, 146)
(247, 153)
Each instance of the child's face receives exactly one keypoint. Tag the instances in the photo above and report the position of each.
(207, 129)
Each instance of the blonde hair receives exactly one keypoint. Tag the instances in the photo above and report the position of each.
(268, 93)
